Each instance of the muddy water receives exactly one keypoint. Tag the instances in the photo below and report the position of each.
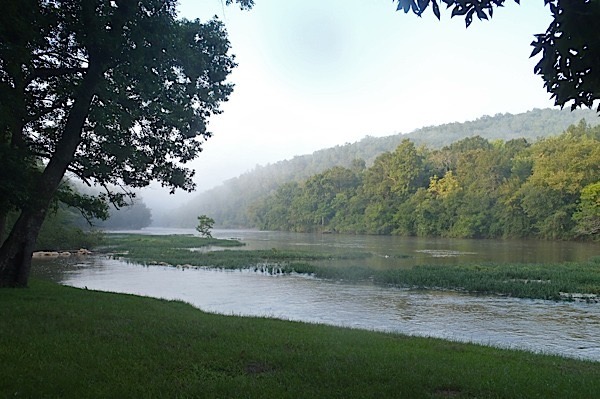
(567, 329)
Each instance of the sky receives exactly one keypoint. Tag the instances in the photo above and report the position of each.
(314, 74)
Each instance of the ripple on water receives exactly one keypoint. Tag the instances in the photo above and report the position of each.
(564, 328)
(444, 253)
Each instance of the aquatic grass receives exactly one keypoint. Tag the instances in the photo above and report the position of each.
(561, 281)
(65, 342)
(121, 241)
(175, 251)
(556, 281)
(347, 274)
(229, 259)
(541, 281)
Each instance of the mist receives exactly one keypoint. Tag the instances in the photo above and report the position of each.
(354, 75)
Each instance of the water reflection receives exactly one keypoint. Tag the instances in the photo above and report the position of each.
(568, 329)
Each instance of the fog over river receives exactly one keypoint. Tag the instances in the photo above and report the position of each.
(565, 328)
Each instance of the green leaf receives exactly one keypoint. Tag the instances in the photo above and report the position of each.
(436, 9)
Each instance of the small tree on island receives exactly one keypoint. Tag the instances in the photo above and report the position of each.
(205, 225)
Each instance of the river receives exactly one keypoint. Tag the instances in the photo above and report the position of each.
(565, 328)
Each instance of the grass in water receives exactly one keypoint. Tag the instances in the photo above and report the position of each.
(542, 281)
(179, 250)
(563, 281)
(62, 342)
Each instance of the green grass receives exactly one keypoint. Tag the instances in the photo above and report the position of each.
(175, 250)
(542, 281)
(62, 342)
(122, 241)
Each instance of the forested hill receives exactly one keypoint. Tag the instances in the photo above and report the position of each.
(228, 204)
(530, 125)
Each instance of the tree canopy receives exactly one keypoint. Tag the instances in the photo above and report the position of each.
(117, 93)
(229, 203)
(570, 47)
(205, 225)
(473, 188)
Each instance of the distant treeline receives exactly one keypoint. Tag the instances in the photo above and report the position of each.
(229, 203)
(65, 228)
(132, 217)
(473, 188)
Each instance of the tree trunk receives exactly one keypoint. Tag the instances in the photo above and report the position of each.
(3, 220)
(16, 251)
(15, 254)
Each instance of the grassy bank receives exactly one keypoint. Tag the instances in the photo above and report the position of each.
(64, 342)
(542, 281)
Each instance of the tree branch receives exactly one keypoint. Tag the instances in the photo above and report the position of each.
(45, 111)
(45, 73)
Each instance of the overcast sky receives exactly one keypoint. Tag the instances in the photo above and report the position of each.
(318, 73)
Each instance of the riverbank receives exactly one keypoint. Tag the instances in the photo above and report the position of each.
(59, 341)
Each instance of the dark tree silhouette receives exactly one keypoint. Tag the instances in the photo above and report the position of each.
(116, 92)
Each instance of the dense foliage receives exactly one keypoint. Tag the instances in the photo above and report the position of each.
(134, 216)
(60, 232)
(64, 230)
(228, 204)
(473, 188)
(117, 93)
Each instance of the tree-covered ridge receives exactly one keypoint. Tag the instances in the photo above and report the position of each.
(474, 188)
(228, 203)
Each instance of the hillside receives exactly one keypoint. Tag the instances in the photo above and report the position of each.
(228, 203)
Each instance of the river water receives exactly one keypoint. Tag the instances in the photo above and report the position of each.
(564, 328)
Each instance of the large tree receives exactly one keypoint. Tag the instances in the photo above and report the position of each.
(570, 47)
(115, 92)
